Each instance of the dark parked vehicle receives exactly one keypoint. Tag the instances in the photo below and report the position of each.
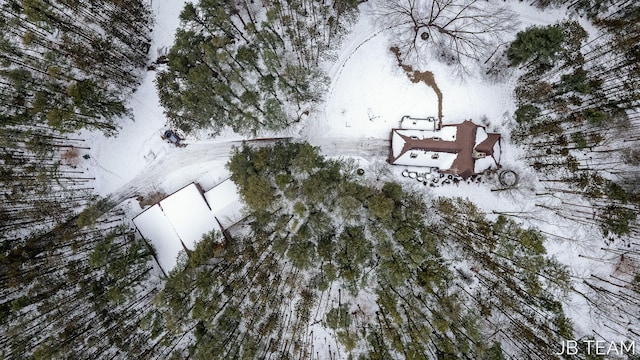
(173, 138)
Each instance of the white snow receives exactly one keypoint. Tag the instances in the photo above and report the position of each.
(438, 160)
(114, 161)
(225, 203)
(483, 164)
(422, 124)
(397, 143)
(448, 133)
(371, 94)
(156, 228)
(497, 152)
(180, 220)
(481, 135)
(188, 213)
(368, 91)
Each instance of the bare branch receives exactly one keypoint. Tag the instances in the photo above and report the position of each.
(456, 31)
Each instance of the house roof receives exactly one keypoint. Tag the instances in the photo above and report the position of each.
(156, 228)
(487, 146)
(181, 219)
(465, 141)
(408, 122)
(189, 215)
(450, 149)
(224, 202)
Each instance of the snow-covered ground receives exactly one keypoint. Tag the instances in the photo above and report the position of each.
(117, 160)
(367, 97)
(369, 93)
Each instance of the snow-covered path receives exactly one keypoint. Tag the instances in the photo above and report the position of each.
(194, 155)
(344, 146)
(200, 157)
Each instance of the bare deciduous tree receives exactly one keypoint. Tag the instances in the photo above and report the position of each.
(453, 30)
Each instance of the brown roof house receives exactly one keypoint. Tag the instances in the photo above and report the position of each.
(461, 149)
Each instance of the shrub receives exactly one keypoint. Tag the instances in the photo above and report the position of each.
(595, 116)
(579, 139)
(526, 113)
(542, 44)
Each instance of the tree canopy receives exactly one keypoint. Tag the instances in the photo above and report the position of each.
(318, 240)
(69, 66)
(540, 44)
(250, 66)
(454, 31)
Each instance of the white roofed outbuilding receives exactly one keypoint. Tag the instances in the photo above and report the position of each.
(180, 220)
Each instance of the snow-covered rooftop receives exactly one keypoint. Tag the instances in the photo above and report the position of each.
(423, 158)
(180, 220)
(156, 228)
(224, 202)
(189, 214)
(429, 123)
(450, 149)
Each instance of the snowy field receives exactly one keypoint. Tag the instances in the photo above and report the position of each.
(367, 97)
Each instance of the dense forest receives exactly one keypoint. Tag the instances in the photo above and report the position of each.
(260, 59)
(578, 116)
(331, 261)
(63, 67)
(447, 282)
(70, 280)
(578, 119)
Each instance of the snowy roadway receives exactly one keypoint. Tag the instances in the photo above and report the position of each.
(174, 161)
(200, 156)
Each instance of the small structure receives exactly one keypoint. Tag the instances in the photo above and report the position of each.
(508, 178)
(463, 149)
(180, 220)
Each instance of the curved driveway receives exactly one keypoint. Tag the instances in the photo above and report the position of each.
(204, 152)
